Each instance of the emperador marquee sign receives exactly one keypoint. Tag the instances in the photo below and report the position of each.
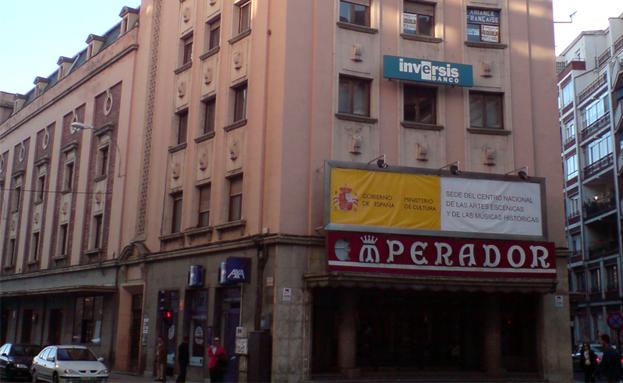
(436, 72)
(420, 223)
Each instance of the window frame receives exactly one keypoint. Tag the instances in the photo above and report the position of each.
(212, 42)
(88, 316)
(177, 203)
(34, 246)
(103, 157)
(612, 277)
(240, 98)
(201, 211)
(69, 175)
(418, 97)
(352, 14)
(235, 198)
(97, 233)
(417, 17)
(63, 244)
(181, 126)
(481, 24)
(209, 115)
(484, 97)
(571, 171)
(352, 82)
(243, 9)
(16, 201)
(41, 180)
(186, 49)
(595, 282)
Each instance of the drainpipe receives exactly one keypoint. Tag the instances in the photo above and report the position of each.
(261, 258)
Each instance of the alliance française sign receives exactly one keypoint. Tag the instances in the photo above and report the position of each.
(435, 256)
(436, 72)
(399, 202)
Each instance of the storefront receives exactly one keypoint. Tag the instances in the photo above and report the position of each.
(432, 273)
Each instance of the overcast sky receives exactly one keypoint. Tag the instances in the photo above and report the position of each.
(36, 32)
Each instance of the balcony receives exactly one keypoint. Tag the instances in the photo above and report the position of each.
(598, 166)
(603, 249)
(598, 207)
(618, 45)
(591, 88)
(596, 126)
(576, 257)
(573, 218)
(604, 57)
(568, 142)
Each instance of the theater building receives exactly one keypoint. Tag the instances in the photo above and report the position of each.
(344, 189)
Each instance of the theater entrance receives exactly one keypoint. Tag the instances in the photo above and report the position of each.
(377, 332)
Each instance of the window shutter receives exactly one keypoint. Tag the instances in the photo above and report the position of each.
(420, 8)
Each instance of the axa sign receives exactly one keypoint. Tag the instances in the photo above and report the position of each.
(235, 270)
(436, 72)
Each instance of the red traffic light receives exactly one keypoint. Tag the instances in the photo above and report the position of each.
(168, 314)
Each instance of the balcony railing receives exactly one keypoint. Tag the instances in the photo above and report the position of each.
(573, 218)
(596, 126)
(598, 166)
(603, 249)
(595, 208)
(618, 116)
(591, 88)
(604, 57)
(618, 44)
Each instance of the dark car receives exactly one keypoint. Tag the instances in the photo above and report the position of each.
(15, 360)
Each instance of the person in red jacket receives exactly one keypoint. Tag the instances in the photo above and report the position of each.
(217, 361)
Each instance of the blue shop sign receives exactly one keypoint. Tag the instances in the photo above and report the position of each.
(436, 72)
(235, 270)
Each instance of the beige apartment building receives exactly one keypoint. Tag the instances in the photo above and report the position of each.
(207, 148)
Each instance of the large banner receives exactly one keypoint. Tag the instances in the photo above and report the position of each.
(436, 256)
(390, 200)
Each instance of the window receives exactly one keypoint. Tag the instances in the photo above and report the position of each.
(214, 33)
(182, 126)
(612, 277)
(418, 18)
(595, 111)
(63, 239)
(595, 281)
(573, 206)
(569, 131)
(40, 188)
(571, 167)
(102, 160)
(485, 110)
(34, 246)
(567, 93)
(355, 12)
(96, 234)
(235, 198)
(580, 280)
(204, 206)
(575, 244)
(240, 102)
(88, 320)
(244, 16)
(483, 25)
(598, 149)
(12, 251)
(17, 195)
(420, 104)
(176, 212)
(209, 115)
(354, 96)
(187, 49)
(68, 182)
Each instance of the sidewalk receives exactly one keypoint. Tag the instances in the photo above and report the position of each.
(120, 377)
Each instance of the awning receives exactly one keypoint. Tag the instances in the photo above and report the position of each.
(457, 284)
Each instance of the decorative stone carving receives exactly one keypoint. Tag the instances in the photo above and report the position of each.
(486, 69)
(186, 14)
(45, 140)
(108, 102)
(207, 76)
(234, 150)
(13, 224)
(75, 116)
(356, 139)
(35, 218)
(421, 152)
(237, 60)
(21, 154)
(175, 170)
(212, 2)
(203, 161)
(489, 156)
(98, 198)
(357, 53)
(64, 208)
(181, 89)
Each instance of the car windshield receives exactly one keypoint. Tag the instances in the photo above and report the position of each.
(74, 354)
(21, 350)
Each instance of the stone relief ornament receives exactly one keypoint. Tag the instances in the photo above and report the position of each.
(13, 224)
(186, 14)
(207, 76)
(21, 154)
(203, 161)
(64, 208)
(355, 142)
(212, 2)
(175, 170)
(98, 198)
(181, 89)
(489, 155)
(237, 60)
(357, 53)
(35, 218)
(234, 150)
(45, 141)
(421, 152)
(108, 102)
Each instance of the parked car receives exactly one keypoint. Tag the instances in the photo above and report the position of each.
(15, 360)
(71, 363)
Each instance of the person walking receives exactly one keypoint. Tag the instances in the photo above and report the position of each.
(610, 366)
(588, 362)
(218, 360)
(161, 361)
(182, 359)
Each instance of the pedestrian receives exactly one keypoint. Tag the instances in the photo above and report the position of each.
(588, 362)
(218, 360)
(610, 366)
(182, 359)
(161, 361)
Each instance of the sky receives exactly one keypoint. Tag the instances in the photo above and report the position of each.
(36, 32)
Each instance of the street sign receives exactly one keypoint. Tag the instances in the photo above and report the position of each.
(615, 321)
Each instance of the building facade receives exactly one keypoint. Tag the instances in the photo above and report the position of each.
(590, 103)
(221, 215)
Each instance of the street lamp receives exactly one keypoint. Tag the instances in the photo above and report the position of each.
(77, 126)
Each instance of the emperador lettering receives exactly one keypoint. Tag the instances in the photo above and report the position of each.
(404, 254)
(430, 72)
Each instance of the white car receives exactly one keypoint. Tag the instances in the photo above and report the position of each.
(68, 364)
